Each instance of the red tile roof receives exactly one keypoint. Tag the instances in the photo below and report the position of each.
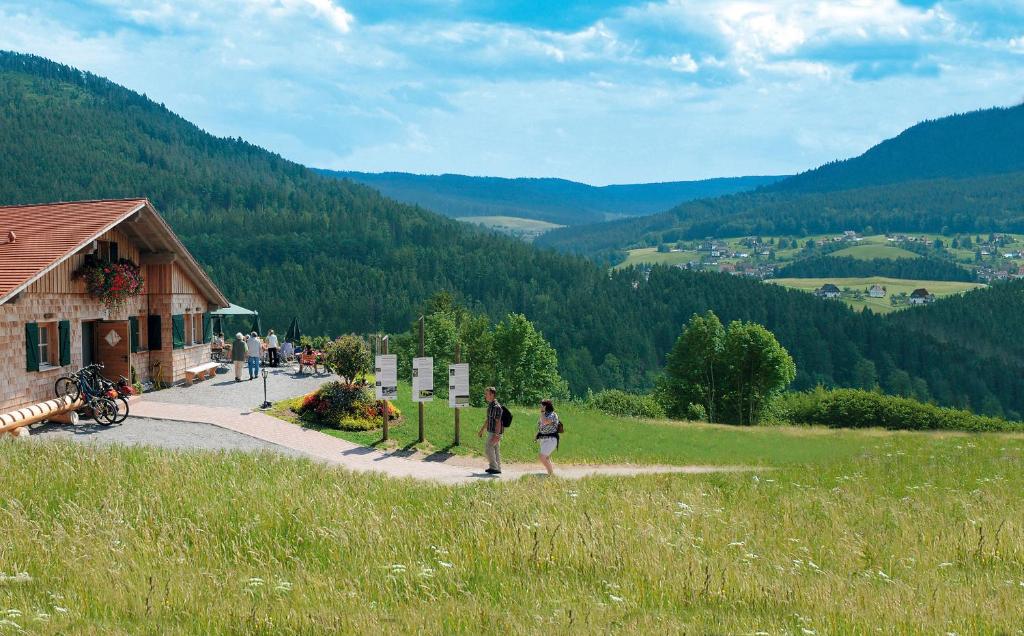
(47, 234)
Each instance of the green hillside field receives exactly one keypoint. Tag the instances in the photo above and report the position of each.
(892, 285)
(516, 226)
(912, 532)
(870, 251)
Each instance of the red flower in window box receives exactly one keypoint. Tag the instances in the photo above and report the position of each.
(112, 283)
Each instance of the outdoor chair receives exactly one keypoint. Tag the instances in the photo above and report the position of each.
(311, 360)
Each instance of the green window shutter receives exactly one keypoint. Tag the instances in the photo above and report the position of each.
(31, 346)
(207, 328)
(154, 327)
(178, 331)
(133, 331)
(64, 331)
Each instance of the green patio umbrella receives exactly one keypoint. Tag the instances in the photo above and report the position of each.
(294, 334)
(256, 325)
(228, 316)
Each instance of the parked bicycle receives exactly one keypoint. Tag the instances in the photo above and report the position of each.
(119, 392)
(85, 385)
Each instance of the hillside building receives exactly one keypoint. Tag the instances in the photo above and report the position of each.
(921, 296)
(51, 325)
(828, 290)
(876, 291)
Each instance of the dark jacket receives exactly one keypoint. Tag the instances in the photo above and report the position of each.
(238, 351)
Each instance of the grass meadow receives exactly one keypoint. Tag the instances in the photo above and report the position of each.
(917, 533)
(593, 437)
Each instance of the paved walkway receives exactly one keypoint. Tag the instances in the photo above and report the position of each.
(333, 450)
(162, 433)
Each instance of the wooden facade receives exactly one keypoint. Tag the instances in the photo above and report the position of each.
(77, 328)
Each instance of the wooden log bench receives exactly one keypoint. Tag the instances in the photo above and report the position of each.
(199, 372)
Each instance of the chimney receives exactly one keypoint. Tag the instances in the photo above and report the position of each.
(11, 237)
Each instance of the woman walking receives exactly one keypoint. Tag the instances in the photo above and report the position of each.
(238, 355)
(548, 429)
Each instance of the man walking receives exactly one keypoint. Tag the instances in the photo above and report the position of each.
(255, 348)
(493, 427)
(238, 355)
(272, 348)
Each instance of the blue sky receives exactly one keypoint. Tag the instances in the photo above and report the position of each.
(600, 92)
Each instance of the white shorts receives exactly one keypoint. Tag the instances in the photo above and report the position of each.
(547, 445)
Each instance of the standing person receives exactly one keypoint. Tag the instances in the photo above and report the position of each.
(272, 348)
(493, 427)
(255, 350)
(547, 434)
(238, 354)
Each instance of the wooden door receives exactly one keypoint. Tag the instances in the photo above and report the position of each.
(113, 348)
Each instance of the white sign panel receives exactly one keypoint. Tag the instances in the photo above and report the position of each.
(458, 385)
(422, 379)
(386, 370)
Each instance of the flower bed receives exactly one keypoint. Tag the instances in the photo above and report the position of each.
(112, 283)
(349, 407)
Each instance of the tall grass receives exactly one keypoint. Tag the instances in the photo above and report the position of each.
(913, 533)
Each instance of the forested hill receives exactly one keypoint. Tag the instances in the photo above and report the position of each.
(553, 200)
(979, 204)
(282, 239)
(982, 142)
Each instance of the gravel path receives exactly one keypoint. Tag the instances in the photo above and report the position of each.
(222, 390)
(162, 433)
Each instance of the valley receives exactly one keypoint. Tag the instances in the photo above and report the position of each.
(525, 229)
(645, 317)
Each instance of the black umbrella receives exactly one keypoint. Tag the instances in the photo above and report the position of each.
(294, 334)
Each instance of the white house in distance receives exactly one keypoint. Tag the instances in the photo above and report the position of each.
(828, 290)
(876, 291)
(920, 296)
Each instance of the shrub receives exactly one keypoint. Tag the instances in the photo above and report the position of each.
(346, 406)
(348, 356)
(696, 413)
(853, 408)
(317, 342)
(617, 402)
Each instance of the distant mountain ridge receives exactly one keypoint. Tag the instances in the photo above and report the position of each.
(553, 200)
(962, 173)
(978, 143)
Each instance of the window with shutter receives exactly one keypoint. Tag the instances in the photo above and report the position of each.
(31, 346)
(64, 335)
(178, 331)
(133, 333)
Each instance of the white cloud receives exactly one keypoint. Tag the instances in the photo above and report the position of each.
(666, 90)
(683, 63)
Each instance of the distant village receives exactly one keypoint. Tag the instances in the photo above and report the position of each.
(757, 257)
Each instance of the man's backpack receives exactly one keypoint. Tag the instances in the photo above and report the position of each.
(506, 418)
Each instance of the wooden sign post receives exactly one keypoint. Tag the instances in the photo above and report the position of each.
(383, 350)
(423, 437)
(458, 359)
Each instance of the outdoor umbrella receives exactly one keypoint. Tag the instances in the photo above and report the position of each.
(223, 316)
(256, 326)
(294, 334)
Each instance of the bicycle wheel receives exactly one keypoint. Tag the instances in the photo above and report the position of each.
(104, 410)
(67, 387)
(122, 409)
